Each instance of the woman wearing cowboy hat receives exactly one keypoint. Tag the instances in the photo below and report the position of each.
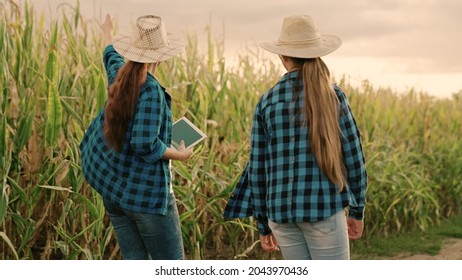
(125, 153)
(306, 161)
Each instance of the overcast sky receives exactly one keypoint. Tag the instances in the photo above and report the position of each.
(396, 43)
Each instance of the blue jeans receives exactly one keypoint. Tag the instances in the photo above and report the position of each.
(147, 236)
(323, 240)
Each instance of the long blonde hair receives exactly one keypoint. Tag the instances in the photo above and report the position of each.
(321, 116)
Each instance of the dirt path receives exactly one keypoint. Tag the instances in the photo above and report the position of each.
(452, 250)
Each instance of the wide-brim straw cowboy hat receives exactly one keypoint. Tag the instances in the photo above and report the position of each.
(148, 42)
(300, 38)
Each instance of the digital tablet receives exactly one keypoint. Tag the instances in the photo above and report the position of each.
(185, 130)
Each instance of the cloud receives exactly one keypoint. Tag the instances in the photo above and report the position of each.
(424, 35)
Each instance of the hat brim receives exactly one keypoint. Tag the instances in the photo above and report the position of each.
(327, 44)
(124, 46)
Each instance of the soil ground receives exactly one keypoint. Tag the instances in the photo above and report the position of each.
(451, 250)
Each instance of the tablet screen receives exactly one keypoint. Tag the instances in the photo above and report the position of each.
(185, 130)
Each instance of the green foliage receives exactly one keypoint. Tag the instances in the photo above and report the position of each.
(52, 84)
(411, 242)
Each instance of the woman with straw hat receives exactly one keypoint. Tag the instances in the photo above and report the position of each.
(306, 161)
(125, 153)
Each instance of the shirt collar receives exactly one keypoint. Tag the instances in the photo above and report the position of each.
(289, 75)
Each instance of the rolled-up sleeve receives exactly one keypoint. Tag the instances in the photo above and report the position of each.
(146, 131)
(354, 159)
(112, 61)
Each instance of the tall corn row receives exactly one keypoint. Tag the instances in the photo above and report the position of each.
(413, 157)
(47, 211)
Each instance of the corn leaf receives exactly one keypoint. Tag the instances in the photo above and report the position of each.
(3, 201)
(8, 241)
(25, 126)
(54, 109)
(101, 94)
(3, 135)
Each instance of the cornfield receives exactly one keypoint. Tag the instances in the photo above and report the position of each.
(53, 83)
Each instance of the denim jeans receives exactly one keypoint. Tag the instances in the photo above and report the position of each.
(323, 240)
(147, 236)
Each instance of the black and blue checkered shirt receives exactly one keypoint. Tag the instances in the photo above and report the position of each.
(137, 179)
(282, 180)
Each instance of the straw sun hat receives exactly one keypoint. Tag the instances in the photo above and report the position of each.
(300, 38)
(148, 43)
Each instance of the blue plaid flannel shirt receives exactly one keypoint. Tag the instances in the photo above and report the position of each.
(136, 179)
(282, 180)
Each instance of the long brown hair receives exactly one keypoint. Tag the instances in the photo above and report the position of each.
(121, 104)
(321, 115)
